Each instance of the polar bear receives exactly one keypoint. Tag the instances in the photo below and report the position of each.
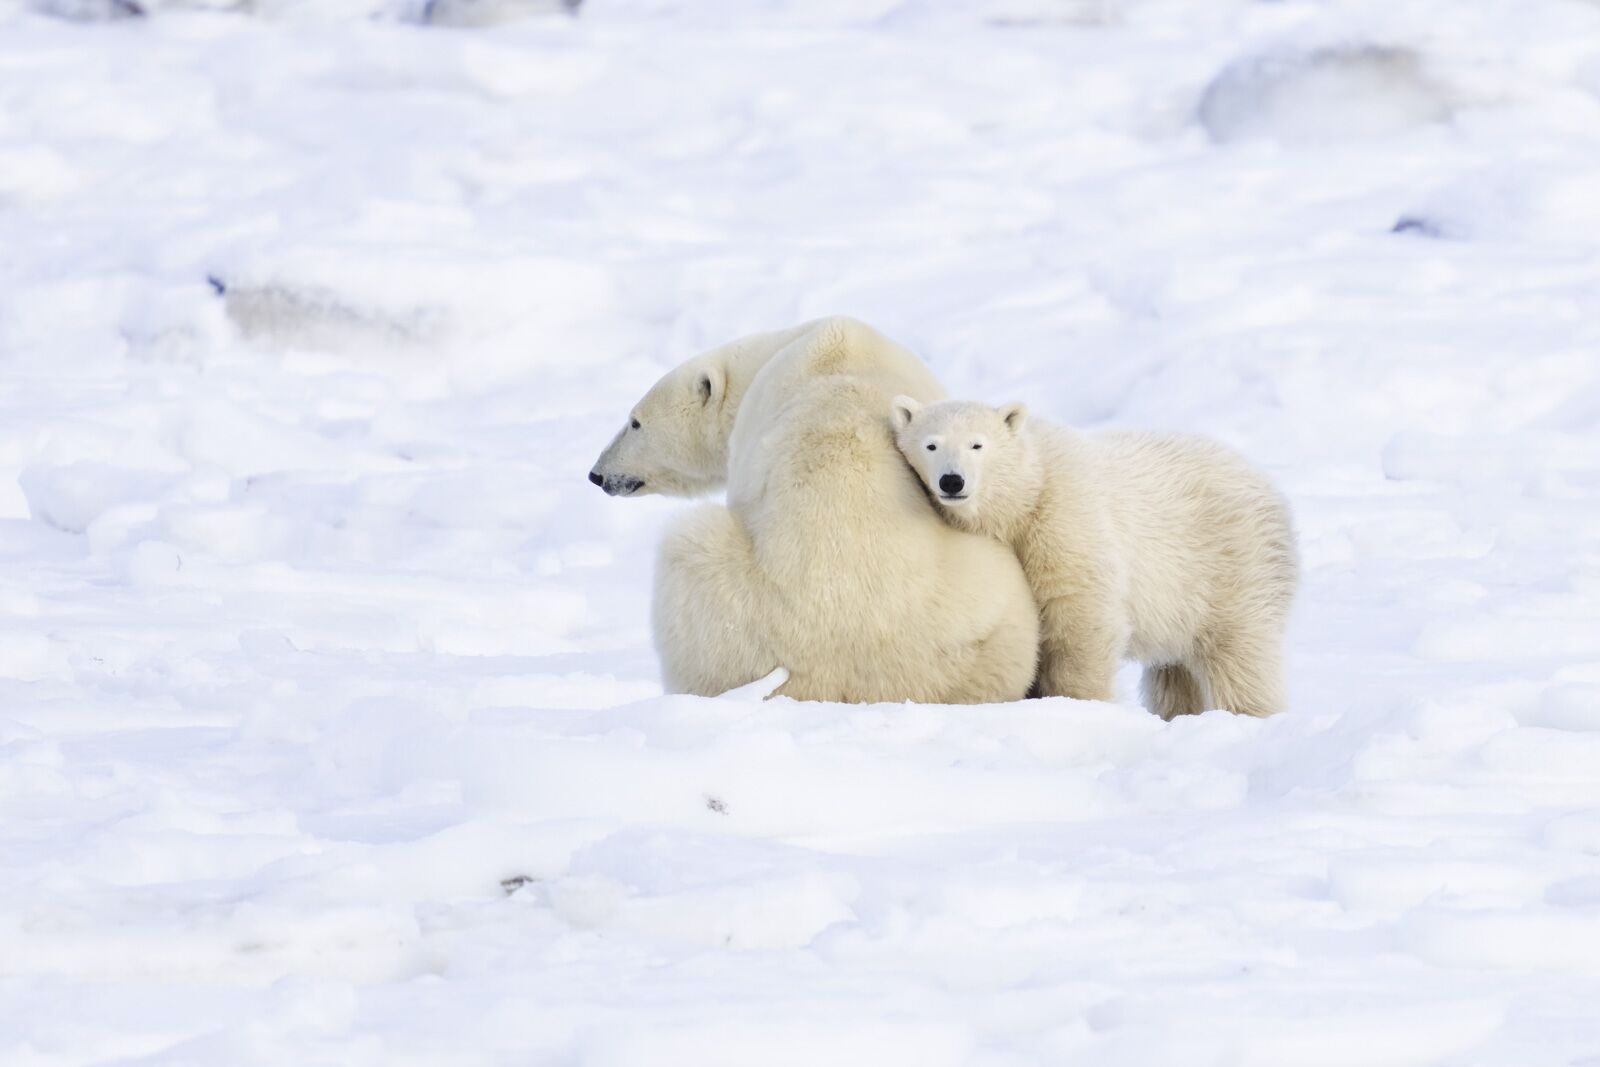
(1169, 549)
(827, 559)
(677, 437)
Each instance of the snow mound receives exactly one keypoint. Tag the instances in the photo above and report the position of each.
(1308, 96)
(491, 12)
(73, 496)
(466, 13)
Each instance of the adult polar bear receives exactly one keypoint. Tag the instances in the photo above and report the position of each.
(828, 559)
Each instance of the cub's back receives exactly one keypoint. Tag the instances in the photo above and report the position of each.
(1198, 514)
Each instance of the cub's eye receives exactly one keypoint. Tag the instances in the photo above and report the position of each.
(635, 424)
(976, 447)
(933, 448)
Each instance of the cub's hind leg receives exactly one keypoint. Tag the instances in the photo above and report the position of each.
(1241, 670)
(1171, 690)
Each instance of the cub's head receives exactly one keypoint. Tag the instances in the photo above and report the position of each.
(958, 448)
(675, 440)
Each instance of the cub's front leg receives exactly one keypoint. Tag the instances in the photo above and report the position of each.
(1080, 644)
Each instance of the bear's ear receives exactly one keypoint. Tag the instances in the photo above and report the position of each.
(709, 387)
(902, 410)
(1014, 415)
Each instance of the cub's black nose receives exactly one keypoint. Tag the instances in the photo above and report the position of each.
(951, 484)
(596, 479)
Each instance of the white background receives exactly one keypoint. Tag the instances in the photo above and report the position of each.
(312, 630)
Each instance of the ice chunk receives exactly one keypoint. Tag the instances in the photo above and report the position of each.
(70, 497)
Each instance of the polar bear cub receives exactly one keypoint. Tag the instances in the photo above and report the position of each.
(1165, 548)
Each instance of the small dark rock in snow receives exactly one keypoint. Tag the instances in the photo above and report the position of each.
(716, 804)
(1417, 225)
(516, 882)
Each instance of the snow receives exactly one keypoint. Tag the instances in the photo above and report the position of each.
(330, 730)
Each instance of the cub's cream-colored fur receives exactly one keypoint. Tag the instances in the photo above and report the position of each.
(1165, 548)
(827, 559)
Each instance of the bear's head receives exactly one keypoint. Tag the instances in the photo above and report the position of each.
(675, 440)
(959, 449)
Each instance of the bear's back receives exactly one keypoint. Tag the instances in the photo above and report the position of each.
(833, 348)
(881, 599)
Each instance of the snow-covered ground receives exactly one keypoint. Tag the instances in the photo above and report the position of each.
(330, 730)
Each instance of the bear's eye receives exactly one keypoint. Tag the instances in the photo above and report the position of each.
(976, 447)
(933, 448)
(635, 424)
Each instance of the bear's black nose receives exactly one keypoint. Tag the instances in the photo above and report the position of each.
(594, 476)
(951, 484)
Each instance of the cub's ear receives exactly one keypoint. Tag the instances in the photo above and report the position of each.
(1014, 415)
(710, 385)
(902, 409)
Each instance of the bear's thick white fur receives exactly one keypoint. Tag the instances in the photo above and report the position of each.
(1165, 548)
(676, 439)
(827, 559)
